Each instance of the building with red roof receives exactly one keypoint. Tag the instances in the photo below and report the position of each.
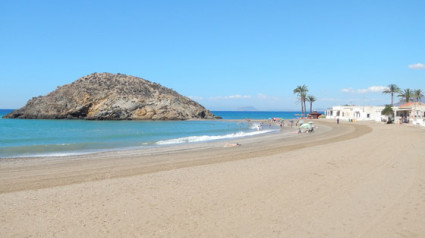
(411, 112)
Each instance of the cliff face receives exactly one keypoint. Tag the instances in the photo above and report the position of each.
(105, 96)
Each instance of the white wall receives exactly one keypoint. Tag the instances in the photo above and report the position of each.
(371, 113)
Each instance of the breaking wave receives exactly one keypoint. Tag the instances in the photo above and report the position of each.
(204, 138)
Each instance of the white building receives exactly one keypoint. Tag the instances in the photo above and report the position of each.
(412, 113)
(370, 113)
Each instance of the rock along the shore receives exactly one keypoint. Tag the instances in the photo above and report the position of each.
(106, 96)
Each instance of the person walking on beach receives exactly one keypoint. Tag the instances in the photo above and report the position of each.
(337, 121)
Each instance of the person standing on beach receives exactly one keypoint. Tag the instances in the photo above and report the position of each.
(337, 121)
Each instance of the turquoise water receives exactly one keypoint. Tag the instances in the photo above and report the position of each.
(22, 138)
(256, 114)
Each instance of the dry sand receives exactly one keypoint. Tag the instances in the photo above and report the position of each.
(346, 180)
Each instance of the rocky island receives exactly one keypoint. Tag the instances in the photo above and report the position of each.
(106, 96)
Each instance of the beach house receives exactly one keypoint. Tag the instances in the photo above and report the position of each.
(411, 112)
(351, 112)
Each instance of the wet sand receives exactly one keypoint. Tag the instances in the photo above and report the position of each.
(346, 180)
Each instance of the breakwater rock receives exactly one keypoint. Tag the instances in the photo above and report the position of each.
(106, 96)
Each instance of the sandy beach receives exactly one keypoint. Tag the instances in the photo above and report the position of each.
(360, 179)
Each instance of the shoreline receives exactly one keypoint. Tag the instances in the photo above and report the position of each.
(130, 162)
(75, 148)
(64, 154)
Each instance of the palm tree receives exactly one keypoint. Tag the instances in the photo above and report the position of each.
(406, 95)
(311, 99)
(417, 94)
(301, 91)
(392, 88)
(298, 91)
(304, 99)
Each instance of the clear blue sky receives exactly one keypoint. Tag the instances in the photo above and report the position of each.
(224, 54)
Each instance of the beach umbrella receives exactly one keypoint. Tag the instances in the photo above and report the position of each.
(305, 125)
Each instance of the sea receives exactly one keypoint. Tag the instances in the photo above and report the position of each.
(34, 138)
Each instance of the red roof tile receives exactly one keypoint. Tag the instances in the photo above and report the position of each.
(409, 104)
(406, 104)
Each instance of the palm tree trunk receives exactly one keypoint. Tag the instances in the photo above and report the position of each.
(392, 99)
(302, 108)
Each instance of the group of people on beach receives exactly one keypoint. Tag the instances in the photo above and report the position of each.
(306, 130)
(282, 123)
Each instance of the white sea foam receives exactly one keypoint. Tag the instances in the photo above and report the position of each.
(54, 154)
(192, 139)
(255, 126)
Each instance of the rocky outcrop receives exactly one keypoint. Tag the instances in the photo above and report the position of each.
(105, 96)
